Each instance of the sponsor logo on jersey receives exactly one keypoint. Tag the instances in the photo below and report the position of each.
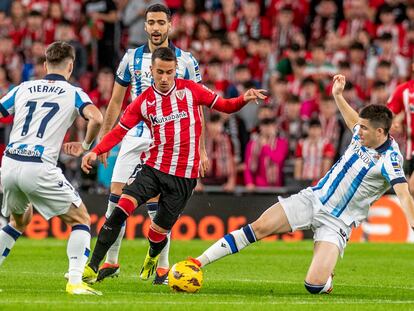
(164, 119)
(395, 163)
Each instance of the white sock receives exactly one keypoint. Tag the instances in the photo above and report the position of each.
(113, 252)
(163, 261)
(78, 252)
(8, 236)
(229, 244)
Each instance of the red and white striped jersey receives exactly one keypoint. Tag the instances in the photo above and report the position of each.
(403, 100)
(313, 154)
(175, 124)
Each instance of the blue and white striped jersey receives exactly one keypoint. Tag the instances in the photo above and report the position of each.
(359, 178)
(134, 69)
(43, 111)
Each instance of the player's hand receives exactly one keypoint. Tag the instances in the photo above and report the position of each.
(339, 85)
(203, 163)
(253, 94)
(87, 161)
(104, 159)
(73, 149)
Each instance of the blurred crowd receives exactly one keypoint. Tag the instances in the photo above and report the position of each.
(292, 48)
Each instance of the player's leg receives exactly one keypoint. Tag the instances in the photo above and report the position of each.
(290, 214)
(15, 205)
(319, 277)
(138, 190)
(78, 247)
(111, 229)
(12, 231)
(163, 266)
(272, 221)
(175, 193)
(125, 166)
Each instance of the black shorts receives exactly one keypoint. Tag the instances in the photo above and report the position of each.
(174, 193)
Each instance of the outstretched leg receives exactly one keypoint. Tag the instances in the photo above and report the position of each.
(272, 221)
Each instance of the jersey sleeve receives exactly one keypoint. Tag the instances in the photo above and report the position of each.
(8, 101)
(204, 95)
(132, 114)
(123, 75)
(392, 169)
(81, 101)
(395, 102)
(192, 70)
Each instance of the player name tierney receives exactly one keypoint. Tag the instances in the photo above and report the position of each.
(46, 88)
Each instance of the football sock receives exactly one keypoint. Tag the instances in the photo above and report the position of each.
(107, 236)
(8, 236)
(113, 252)
(157, 241)
(78, 250)
(163, 262)
(229, 244)
(320, 289)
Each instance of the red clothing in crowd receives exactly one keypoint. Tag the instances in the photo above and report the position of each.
(403, 100)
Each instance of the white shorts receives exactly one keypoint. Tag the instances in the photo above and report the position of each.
(304, 211)
(41, 184)
(129, 157)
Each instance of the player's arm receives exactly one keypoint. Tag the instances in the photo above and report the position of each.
(235, 104)
(95, 120)
(350, 115)
(406, 200)
(131, 117)
(113, 109)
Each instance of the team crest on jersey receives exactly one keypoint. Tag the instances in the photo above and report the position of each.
(137, 72)
(180, 94)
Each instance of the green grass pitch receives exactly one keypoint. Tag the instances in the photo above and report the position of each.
(265, 276)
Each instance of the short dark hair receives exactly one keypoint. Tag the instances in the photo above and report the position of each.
(378, 115)
(315, 123)
(58, 52)
(158, 7)
(163, 53)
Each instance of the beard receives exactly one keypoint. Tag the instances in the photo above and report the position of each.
(161, 40)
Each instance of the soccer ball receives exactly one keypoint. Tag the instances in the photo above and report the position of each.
(185, 276)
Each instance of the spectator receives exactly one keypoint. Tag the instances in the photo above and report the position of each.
(309, 96)
(284, 30)
(65, 32)
(386, 52)
(54, 17)
(314, 155)
(379, 93)
(101, 95)
(266, 153)
(102, 17)
(250, 24)
(133, 17)
(222, 170)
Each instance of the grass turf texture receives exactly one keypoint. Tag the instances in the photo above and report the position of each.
(265, 276)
